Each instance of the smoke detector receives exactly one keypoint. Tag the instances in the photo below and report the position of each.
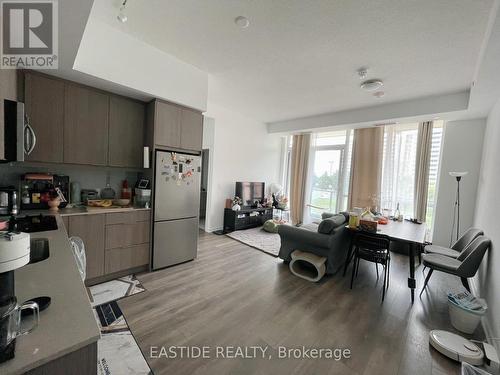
(372, 84)
(362, 73)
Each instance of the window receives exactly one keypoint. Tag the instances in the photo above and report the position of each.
(329, 165)
(398, 168)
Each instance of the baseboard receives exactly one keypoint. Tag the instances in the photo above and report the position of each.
(488, 331)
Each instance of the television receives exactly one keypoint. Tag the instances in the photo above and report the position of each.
(250, 192)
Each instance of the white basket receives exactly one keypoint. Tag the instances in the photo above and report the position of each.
(464, 320)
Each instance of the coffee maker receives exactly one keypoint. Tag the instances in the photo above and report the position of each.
(14, 254)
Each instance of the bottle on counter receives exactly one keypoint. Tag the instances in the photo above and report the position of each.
(126, 190)
(25, 195)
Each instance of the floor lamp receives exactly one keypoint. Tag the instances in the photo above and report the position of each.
(456, 207)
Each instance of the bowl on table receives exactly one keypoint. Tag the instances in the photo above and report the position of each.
(121, 202)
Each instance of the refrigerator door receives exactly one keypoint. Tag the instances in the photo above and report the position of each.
(175, 241)
(177, 186)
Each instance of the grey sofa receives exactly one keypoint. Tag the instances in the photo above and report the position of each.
(333, 246)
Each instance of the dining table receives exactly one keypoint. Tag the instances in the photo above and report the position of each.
(407, 233)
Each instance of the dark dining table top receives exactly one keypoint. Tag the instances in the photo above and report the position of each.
(404, 231)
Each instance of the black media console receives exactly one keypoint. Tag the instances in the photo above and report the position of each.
(246, 218)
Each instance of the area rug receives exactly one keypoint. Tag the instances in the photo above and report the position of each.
(117, 350)
(259, 239)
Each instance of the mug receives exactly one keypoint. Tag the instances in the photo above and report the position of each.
(10, 320)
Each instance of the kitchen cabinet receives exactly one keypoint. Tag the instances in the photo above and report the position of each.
(44, 105)
(126, 132)
(176, 127)
(167, 125)
(191, 130)
(90, 228)
(8, 90)
(86, 114)
(127, 240)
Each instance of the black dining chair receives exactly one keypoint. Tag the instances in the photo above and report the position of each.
(375, 249)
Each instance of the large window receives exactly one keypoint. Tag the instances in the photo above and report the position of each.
(328, 182)
(398, 170)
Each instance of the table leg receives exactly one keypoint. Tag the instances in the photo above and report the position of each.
(411, 279)
(349, 255)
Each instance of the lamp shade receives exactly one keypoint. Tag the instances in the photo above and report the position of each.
(275, 188)
(458, 174)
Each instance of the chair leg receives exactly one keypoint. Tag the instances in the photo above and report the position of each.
(357, 267)
(376, 267)
(423, 270)
(348, 259)
(385, 277)
(427, 280)
(388, 271)
(465, 283)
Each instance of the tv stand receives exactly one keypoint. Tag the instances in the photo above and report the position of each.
(246, 218)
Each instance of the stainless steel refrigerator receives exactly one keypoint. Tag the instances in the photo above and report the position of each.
(176, 208)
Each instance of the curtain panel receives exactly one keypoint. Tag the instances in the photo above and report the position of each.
(298, 176)
(366, 167)
(422, 166)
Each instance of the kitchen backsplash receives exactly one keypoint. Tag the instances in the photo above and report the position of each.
(89, 177)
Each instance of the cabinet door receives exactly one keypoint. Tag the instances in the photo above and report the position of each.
(90, 228)
(126, 132)
(167, 125)
(8, 90)
(191, 130)
(44, 105)
(85, 126)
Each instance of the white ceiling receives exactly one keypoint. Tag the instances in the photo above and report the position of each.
(299, 58)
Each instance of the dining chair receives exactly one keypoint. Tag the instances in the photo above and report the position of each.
(470, 235)
(373, 249)
(464, 266)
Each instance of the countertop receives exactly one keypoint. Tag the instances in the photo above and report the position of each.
(68, 324)
(96, 210)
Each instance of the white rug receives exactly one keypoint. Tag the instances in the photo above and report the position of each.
(259, 239)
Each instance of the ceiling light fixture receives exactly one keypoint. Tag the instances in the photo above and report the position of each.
(122, 17)
(242, 22)
(372, 84)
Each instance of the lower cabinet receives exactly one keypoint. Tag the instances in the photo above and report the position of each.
(114, 242)
(90, 228)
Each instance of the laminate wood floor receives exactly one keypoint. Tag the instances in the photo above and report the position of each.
(234, 295)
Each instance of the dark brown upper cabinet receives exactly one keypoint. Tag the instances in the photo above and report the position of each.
(126, 132)
(191, 130)
(167, 124)
(44, 106)
(8, 90)
(86, 114)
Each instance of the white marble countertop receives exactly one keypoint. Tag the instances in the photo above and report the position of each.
(68, 324)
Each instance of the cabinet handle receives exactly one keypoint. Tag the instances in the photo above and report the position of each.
(29, 137)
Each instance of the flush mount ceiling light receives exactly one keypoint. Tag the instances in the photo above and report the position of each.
(122, 17)
(372, 84)
(242, 22)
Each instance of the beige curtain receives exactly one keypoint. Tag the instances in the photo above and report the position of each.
(298, 176)
(423, 159)
(366, 169)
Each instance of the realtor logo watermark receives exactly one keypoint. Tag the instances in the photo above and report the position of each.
(29, 34)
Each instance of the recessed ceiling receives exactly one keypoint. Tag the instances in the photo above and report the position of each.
(299, 58)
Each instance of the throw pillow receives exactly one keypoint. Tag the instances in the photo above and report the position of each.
(271, 227)
(328, 225)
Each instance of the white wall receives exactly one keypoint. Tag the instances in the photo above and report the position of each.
(462, 150)
(243, 151)
(487, 282)
(110, 54)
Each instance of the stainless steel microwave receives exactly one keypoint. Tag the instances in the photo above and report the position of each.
(19, 138)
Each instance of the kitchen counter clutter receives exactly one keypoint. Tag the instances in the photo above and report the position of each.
(67, 330)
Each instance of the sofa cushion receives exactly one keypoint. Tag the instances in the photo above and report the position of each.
(328, 225)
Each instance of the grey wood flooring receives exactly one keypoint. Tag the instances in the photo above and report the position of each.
(235, 295)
